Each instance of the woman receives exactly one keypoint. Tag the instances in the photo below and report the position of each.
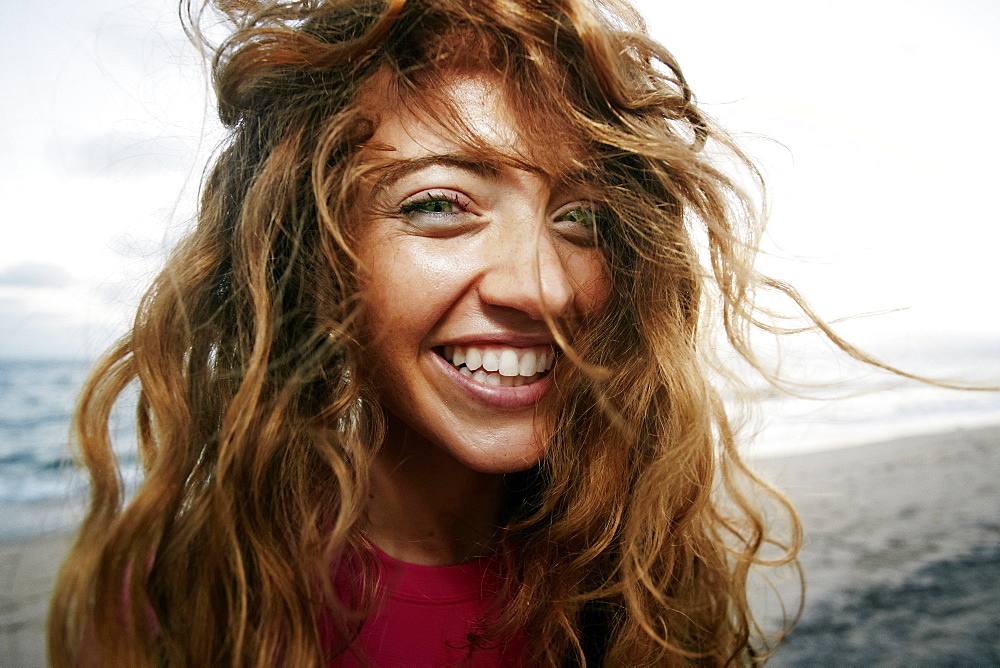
(441, 330)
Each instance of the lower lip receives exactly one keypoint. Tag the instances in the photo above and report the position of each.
(497, 396)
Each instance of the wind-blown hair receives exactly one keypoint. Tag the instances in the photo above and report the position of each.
(631, 540)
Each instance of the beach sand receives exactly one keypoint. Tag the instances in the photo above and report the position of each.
(902, 557)
(27, 570)
(901, 552)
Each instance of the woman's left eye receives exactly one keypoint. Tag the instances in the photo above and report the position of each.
(580, 215)
(577, 223)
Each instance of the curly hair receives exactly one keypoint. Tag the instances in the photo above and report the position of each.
(629, 544)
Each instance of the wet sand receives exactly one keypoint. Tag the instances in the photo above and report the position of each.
(27, 569)
(902, 557)
(901, 553)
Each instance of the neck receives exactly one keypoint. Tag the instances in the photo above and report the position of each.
(426, 507)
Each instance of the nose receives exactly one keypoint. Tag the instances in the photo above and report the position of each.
(525, 272)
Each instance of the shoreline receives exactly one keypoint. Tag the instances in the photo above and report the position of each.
(877, 519)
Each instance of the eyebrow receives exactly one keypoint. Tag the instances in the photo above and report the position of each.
(394, 169)
(398, 168)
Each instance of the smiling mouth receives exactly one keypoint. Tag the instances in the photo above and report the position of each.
(499, 365)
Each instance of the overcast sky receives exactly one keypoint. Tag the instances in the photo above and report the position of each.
(874, 122)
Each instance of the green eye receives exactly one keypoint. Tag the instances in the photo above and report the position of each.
(430, 205)
(583, 216)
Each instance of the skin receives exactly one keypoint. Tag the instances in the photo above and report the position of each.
(459, 250)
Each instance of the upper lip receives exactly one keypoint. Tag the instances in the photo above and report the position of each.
(508, 339)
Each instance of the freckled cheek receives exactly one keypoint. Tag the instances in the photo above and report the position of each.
(440, 270)
(591, 281)
(412, 287)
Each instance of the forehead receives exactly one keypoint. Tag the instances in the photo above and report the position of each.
(468, 114)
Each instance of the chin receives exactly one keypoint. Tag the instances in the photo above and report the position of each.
(499, 458)
(498, 451)
(498, 465)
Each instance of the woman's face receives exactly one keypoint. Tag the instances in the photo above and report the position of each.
(464, 258)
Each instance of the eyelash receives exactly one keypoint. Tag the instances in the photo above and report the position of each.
(414, 206)
(417, 210)
(589, 214)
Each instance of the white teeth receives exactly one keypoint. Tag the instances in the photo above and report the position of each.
(490, 361)
(508, 365)
(527, 366)
(497, 379)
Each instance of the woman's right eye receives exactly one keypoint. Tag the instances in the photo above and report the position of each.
(438, 213)
(432, 205)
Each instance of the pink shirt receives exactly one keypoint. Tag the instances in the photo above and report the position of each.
(428, 616)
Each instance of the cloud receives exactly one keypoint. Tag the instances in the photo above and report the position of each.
(28, 334)
(126, 154)
(137, 246)
(35, 275)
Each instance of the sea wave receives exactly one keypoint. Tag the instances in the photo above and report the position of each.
(849, 405)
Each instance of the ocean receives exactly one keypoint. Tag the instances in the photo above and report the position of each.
(40, 487)
(41, 490)
(852, 404)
